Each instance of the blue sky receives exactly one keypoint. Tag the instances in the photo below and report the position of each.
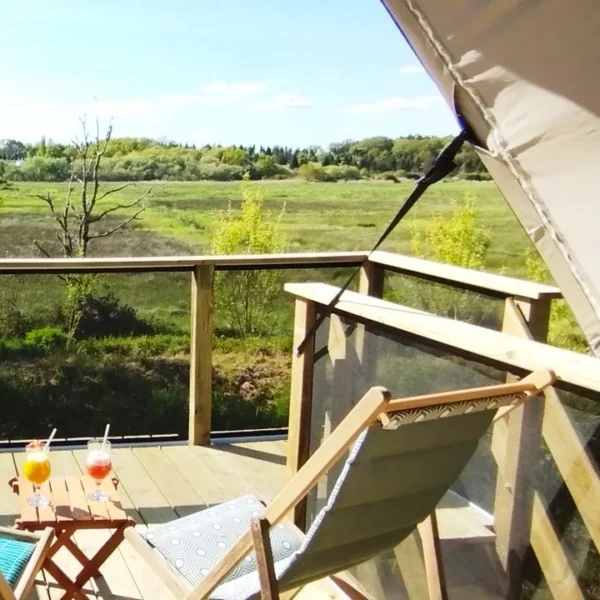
(226, 71)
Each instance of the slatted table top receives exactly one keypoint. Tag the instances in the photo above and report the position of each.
(69, 504)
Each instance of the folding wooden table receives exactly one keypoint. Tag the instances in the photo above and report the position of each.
(71, 510)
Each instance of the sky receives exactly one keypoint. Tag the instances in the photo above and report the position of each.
(204, 71)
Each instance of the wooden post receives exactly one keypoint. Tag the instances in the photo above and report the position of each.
(519, 435)
(371, 279)
(371, 284)
(301, 390)
(201, 355)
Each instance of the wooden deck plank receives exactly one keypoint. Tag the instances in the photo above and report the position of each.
(181, 496)
(264, 477)
(8, 500)
(219, 483)
(147, 498)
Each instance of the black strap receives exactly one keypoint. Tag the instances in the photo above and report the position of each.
(443, 165)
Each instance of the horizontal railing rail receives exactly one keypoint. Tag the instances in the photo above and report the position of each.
(510, 351)
(489, 284)
(231, 262)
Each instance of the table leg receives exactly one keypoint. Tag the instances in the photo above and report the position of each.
(72, 589)
(94, 563)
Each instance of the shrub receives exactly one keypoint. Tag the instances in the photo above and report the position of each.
(39, 168)
(313, 171)
(245, 297)
(457, 240)
(475, 176)
(563, 331)
(220, 172)
(105, 316)
(342, 173)
(46, 339)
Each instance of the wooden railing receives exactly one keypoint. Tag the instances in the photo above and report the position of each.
(521, 517)
(202, 269)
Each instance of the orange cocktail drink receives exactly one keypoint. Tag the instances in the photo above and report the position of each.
(37, 470)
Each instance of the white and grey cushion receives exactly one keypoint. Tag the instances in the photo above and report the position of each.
(194, 544)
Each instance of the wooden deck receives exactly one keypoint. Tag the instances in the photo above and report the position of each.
(159, 484)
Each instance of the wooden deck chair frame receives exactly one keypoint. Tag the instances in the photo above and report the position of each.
(25, 583)
(373, 407)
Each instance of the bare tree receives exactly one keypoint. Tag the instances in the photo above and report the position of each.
(80, 216)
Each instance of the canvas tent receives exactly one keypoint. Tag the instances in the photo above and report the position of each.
(523, 75)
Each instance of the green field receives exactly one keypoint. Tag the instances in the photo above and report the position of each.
(180, 218)
(318, 216)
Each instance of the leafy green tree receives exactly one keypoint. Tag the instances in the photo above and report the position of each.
(235, 156)
(244, 297)
(267, 166)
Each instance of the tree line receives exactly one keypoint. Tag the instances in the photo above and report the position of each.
(145, 159)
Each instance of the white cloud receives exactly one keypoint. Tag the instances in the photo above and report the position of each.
(241, 89)
(398, 103)
(217, 93)
(412, 69)
(282, 101)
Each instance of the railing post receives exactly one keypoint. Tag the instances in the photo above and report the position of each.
(371, 284)
(516, 442)
(371, 279)
(201, 355)
(301, 390)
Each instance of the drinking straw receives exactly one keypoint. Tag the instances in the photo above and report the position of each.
(47, 445)
(105, 437)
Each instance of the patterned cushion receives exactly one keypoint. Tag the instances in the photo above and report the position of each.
(14, 556)
(194, 544)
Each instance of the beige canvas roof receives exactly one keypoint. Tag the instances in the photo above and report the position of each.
(524, 75)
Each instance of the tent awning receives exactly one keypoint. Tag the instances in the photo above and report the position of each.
(524, 76)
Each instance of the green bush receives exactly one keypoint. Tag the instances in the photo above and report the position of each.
(313, 171)
(342, 173)
(46, 339)
(564, 330)
(483, 176)
(105, 316)
(456, 240)
(244, 297)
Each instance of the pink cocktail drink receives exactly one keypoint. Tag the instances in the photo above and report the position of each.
(98, 466)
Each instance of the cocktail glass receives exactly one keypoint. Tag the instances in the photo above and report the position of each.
(98, 466)
(37, 470)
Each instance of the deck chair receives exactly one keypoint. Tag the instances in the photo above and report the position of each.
(404, 455)
(21, 557)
